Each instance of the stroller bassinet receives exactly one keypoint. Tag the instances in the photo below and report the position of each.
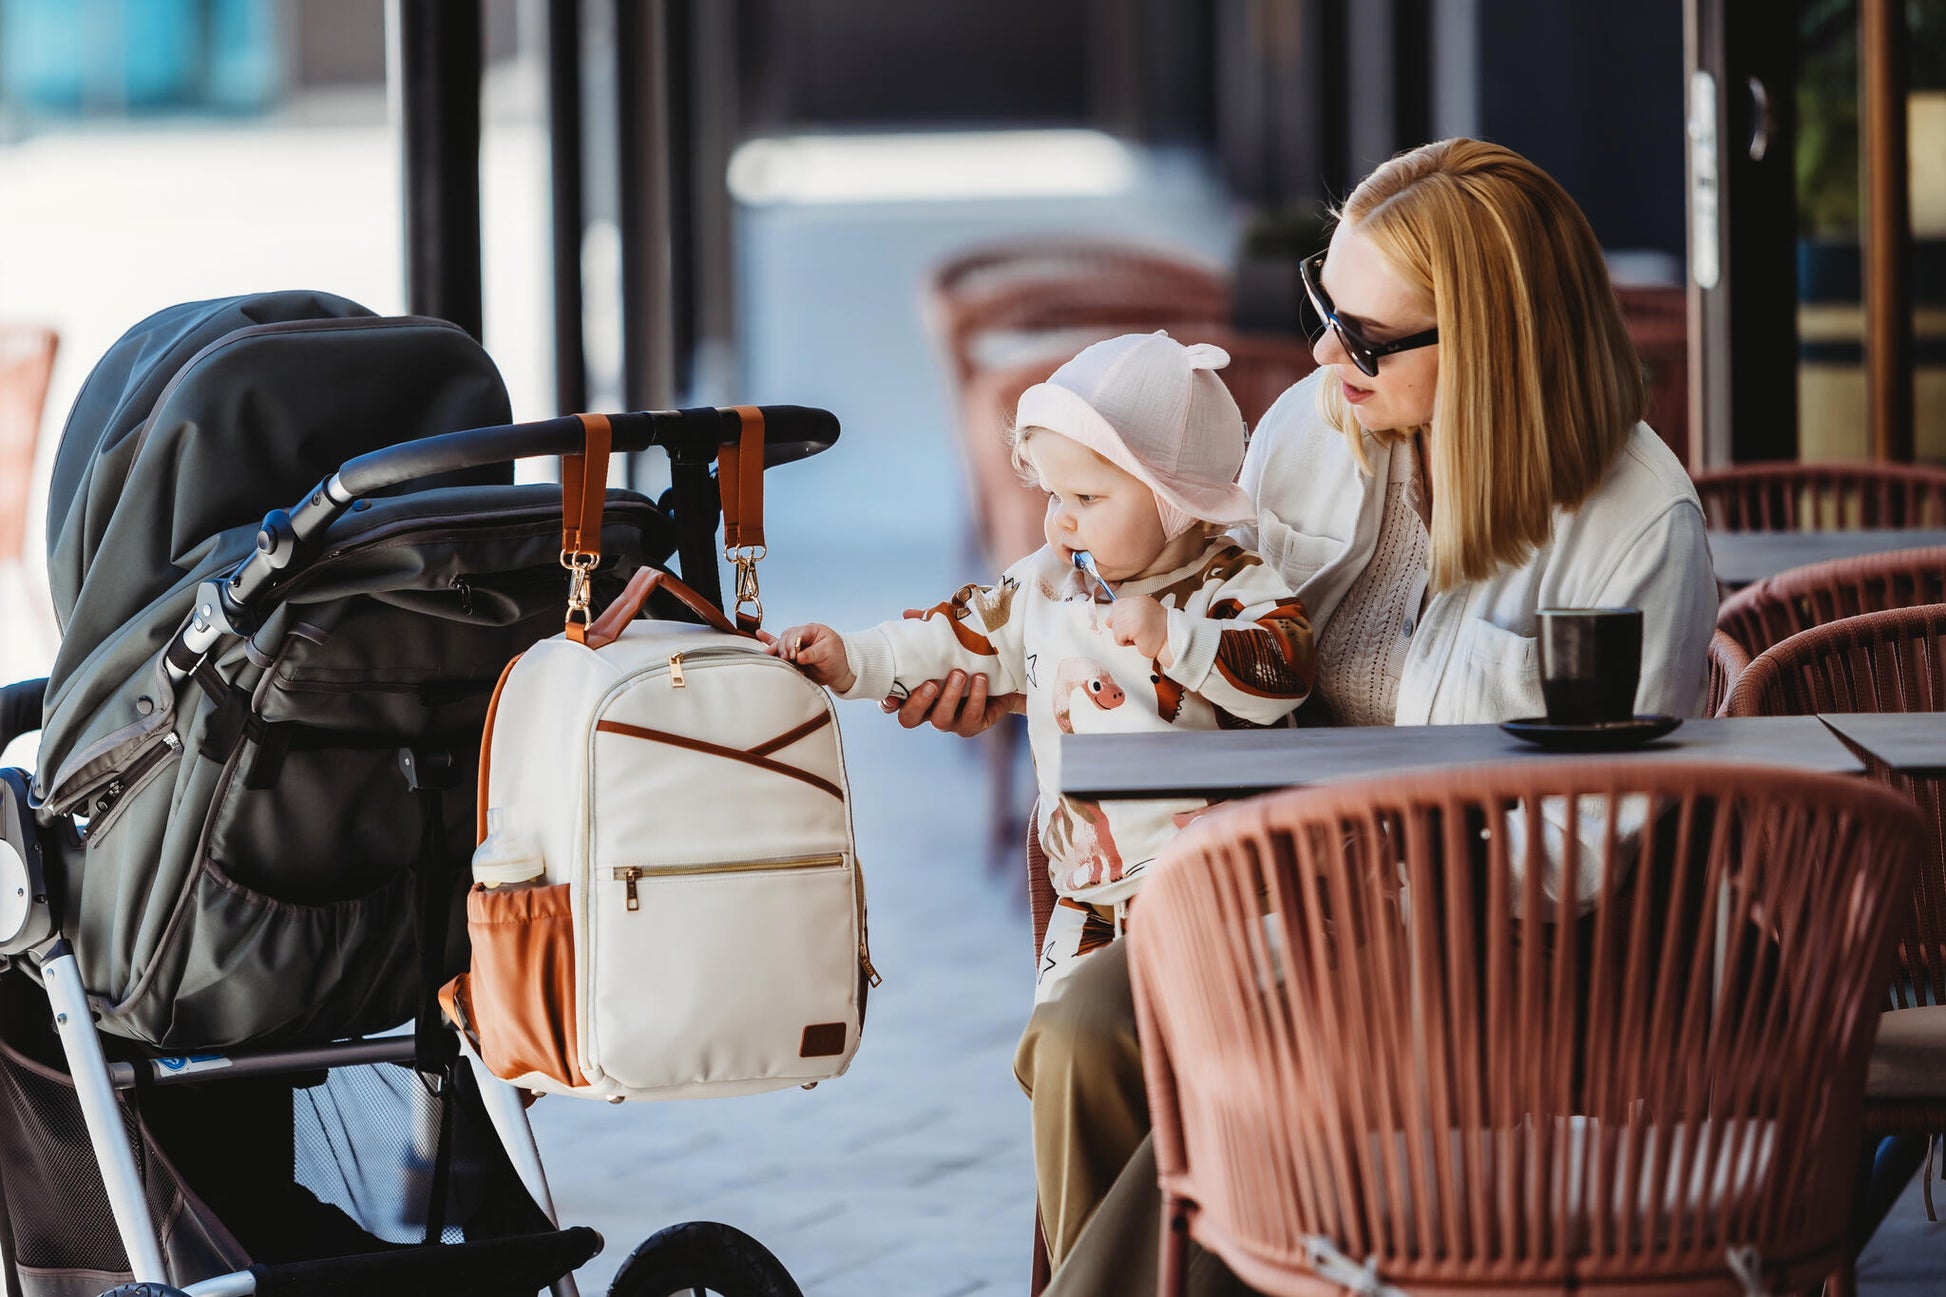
(254, 810)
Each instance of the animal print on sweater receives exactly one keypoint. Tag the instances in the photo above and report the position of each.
(1241, 655)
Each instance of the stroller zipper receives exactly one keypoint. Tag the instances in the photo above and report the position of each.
(105, 798)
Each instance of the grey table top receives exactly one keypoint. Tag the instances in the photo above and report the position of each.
(1233, 763)
(1742, 557)
(1912, 743)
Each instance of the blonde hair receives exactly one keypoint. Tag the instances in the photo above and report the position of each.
(1539, 385)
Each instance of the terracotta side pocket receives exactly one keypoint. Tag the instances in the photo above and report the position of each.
(517, 1003)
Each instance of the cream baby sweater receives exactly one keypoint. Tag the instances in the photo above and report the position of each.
(1243, 656)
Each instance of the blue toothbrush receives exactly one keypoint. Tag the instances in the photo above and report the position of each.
(1086, 562)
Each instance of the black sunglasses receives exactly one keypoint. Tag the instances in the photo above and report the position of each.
(1363, 352)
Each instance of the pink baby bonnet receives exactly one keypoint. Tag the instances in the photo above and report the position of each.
(1156, 409)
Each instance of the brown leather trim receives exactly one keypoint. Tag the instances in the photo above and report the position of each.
(584, 488)
(717, 750)
(486, 752)
(740, 482)
(822, 1040)
(608, 627)
(791, 736)
(518, 996)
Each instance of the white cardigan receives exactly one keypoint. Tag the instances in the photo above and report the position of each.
(1636, 542)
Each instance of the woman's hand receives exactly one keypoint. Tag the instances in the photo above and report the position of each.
(956, 705)
(1140, 621)
(817, 652)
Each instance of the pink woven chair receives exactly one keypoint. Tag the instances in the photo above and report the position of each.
(1040, 285)
(1008, 512)
(1727, 659)
(1657, 316)
(1379, 1053)
(1822, 497)
(1774, 609)
(1891, 661)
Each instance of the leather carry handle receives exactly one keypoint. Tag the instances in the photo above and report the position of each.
(740, 484)
(584, 489)
(608, 627)
(740, 481)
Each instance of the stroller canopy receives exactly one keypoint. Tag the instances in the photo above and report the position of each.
(205, 410)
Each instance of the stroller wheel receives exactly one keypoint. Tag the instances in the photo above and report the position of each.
(702, 1257)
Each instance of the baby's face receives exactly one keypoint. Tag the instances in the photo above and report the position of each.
(1093, 505)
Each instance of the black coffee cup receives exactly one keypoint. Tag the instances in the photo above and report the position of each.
(1591, 661)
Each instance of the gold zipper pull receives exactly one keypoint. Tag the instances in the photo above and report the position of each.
(865, 962)
(630, 874)
(675, 680)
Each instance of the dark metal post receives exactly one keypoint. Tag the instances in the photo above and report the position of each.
(1882, 41)
(564, 156)
(439, 54)
(679, 137)
(643, 193)
(1742, 232)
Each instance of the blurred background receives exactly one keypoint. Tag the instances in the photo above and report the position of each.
(907, 213)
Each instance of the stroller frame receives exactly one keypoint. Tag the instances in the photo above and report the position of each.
(231, 607)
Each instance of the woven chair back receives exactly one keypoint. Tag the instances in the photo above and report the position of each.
(1772, 610)
(1891, 661)
(1047, 284)
(1822, 497)
(1405, 1032)
(1727, 659)
(1007, 512)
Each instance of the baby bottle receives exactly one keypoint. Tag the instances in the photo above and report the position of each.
(505, 858)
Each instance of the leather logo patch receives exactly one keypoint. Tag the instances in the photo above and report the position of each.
(822, 1040)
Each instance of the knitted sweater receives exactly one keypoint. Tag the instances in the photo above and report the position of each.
(1242, 656)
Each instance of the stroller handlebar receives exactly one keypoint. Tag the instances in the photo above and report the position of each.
(692, 438)
(791, 432)
(20, 709)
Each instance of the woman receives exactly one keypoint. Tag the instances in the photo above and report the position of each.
(1470, 450)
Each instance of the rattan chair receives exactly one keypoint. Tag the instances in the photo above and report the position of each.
(1380, 1055)
(1887, 661)
(1772, 610)
(1020, 287)
(1822, 497)
(1727, 659)
(1657, 316)
(1008, 512)
(1892, 661)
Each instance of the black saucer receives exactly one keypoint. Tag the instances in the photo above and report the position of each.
(1608, 736)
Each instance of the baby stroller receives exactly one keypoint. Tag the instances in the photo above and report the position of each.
(239, 875)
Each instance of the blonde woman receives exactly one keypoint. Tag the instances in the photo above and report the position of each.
(1470, 450)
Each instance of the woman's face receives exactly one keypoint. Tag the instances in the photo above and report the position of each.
(1368, 295)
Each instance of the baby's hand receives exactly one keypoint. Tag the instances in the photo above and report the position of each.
(817, 652)
(1139, 620)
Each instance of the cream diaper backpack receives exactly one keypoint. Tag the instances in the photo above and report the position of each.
(667, 902)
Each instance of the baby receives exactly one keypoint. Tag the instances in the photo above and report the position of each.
(1137, 443)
